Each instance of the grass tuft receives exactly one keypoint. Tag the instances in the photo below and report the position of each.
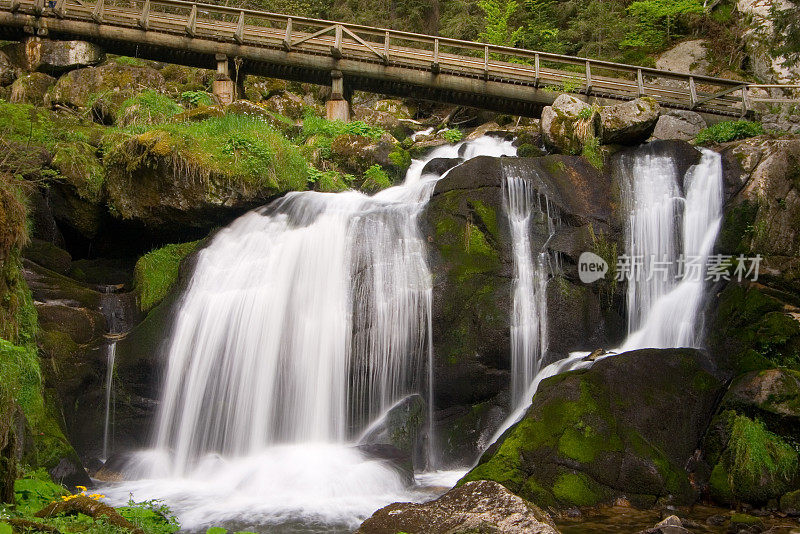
(157, 272)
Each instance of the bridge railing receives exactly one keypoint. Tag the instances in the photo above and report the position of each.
(437, 55)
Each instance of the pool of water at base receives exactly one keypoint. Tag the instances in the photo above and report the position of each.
(622, 519)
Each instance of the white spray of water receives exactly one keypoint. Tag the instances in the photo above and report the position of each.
(662, 225)
(663, 308)
(528, 319)
(111, 351)
(303, 321)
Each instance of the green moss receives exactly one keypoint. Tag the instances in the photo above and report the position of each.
(244, 148)
(157, 272)
(79, 164)
(737, 228)
(756, 464)
(375, 179)
(487, 215)
(148, 107)
(592, 152)
(575, 489)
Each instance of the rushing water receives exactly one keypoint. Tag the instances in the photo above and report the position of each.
(529, 287)
(672, 230)
(674, 234)
(303, 321)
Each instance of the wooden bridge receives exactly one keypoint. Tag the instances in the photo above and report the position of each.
(353, 57)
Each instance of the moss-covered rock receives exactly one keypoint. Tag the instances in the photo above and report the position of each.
(752, 329)
(103, 89)
(31, 88)
(357, 153)
(625, 427)
(752, 442)
(568, 124)
(200, 174)
(156, 273)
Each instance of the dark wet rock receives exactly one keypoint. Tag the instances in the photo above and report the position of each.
(47, 255)
(790, 503)
(439, 166)
(8, 72)
(399, 433)
(472, 268)
(589, 438)
(472, 508)
(464, 432)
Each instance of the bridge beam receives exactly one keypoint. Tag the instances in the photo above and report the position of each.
(337, 106)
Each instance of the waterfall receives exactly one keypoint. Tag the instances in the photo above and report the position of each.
(674, 234)
(111, 350)
(303, 321)
(529, 286)
(663, 226)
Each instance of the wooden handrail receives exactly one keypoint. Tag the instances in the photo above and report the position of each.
(406, 49)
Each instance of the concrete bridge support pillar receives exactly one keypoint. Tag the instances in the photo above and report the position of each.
(337, 106)
(223, 87)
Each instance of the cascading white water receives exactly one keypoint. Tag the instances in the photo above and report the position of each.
(674, 234)
(663, 225)
(303, 321)
(111, 351)
(529, 287)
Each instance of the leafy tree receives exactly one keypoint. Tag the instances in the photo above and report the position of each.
(786, 33)
(657, 20)
(497, 29)
(598, 26)
(541, 29)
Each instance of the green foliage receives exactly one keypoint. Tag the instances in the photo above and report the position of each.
(330, 181)
(756, 453)
(597, 28)
(35, 491)
(541, 30)
(497, 30)
(153, 516)
(148, 107)
(453, 135)
(400, 158)
(722, 132)
(375, 179)
(157, 271)
(786, 33)
(240, 147)
(592, 152)
(197, 98)
(216, 530)
(657, 21)
(313, 125)
(130, 61)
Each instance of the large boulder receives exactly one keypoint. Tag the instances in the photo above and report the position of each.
(54, 57)
(750, 443)
(475, 507)
(629, 426)
(678, 124)
(568, 124)
(104, 88)
(629, 123)
(31, 88)
(287, 104)
(357, 153)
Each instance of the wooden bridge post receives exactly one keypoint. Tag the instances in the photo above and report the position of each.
(337, 106)
(223, 87)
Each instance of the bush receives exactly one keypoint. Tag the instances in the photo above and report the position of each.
(722, 132)
(157, 271)
(197, 98)
(154, 517)
(375, 179)
(453, 135)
